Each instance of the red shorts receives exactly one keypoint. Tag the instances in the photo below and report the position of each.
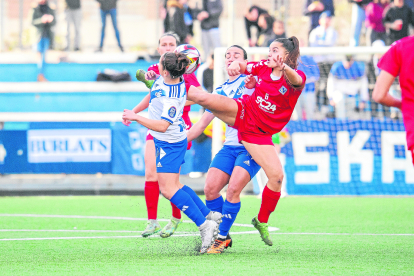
(188, 125)
(247, 129)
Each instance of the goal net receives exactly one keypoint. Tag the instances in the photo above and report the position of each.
(339, 141)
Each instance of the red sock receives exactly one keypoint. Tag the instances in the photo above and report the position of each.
(152, 193)
(269, 202)
(176, 213)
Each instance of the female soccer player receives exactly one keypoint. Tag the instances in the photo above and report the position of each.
(398, 61)
(167, 43)
(168, 97)
(232, 165)
(264, 113)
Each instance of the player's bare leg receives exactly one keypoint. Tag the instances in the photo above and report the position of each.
(222, 107)
(266, 156)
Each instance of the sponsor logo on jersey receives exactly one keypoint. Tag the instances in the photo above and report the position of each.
(159, 165)
(227, 216)
(265, 105)
(282, 90)
(185, 207)
(172, 111)
(247, 162)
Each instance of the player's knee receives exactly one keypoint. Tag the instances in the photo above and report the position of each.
(210, 191)
(232, 193)
(151, 175)
(275, 177)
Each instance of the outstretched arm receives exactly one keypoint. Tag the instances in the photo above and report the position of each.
(138, 108)
(155, 125)
(200, 126)
(382, 86)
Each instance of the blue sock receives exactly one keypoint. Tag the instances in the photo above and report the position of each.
(216, 204)
(230, 211)
(200, 204)
(185, 203)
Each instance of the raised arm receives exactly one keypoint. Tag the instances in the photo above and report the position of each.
(200, 126)
(155, 125)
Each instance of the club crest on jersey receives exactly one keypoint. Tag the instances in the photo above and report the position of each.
(282, 90)
(172, 111)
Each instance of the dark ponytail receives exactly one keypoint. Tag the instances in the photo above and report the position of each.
(291, 45)
(175, 63)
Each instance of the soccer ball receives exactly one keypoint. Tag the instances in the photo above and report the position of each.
(192, 54)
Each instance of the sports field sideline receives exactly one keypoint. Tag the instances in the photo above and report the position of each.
(100, 235)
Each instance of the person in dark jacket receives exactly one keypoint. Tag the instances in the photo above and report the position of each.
(313, 9)
(251, 19)
(109, 7)
(73, 16)
(397, 18)
(174, 19)
(266, 24)
(210, 33)
(43, 19)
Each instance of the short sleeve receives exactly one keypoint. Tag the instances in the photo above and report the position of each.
(190, 79)
(170, 111)
(254, 67)
(391, 61)
(154, 68)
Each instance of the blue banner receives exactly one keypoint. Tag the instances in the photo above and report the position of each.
(335, 157)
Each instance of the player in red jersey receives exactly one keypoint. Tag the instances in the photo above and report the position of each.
(398, 61)
(264, 113)
(167, 43)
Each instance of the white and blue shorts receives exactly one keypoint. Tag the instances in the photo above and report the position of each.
(230, 156)
(169, 156)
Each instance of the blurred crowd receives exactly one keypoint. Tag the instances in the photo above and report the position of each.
(334, 88)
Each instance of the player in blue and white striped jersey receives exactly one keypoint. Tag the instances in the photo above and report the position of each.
(168, 96)
(232, 165)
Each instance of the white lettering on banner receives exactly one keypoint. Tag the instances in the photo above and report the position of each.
(352, 153)
(3, 153)
(301, 140)
(390, 164)
(135, 140)
(137, 162)
(69, 145)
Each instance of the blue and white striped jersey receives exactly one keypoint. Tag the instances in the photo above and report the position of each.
(234, 90)
(167, 103)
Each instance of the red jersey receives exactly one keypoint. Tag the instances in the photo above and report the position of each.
(399, 60)
(273, 100)
(190, 79)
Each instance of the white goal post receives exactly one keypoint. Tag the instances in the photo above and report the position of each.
(220, 75)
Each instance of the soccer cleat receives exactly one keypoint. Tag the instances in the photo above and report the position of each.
(140, 75)
(208, 231)
(153, 227)
(170, 228)
(218, 247)
(228, 241)
(215, 216)
(263, 230)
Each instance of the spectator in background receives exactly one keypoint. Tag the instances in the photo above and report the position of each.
(278, 31)
(313, 9)
(205, 74)
(358, 18)
(109, 7)
(397, 18)
(346, 79)
(210, 33)
(174, 19)
(266, 24)
(324, 35)
(188, 20)
(306, 105)
(43, 19)
(73, 17)
(251, 19)
(373, 21)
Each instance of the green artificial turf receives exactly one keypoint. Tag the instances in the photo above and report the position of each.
(304, 244)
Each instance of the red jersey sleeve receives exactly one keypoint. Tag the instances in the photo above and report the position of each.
(190, 79)
(154, 68)
(255, 67)
(303, 76)
(391, 61)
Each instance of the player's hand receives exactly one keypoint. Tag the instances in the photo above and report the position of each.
(126, 122)
(234, 69)
(279, 62)
(250, 82)
(150, 75)
(128, 115)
